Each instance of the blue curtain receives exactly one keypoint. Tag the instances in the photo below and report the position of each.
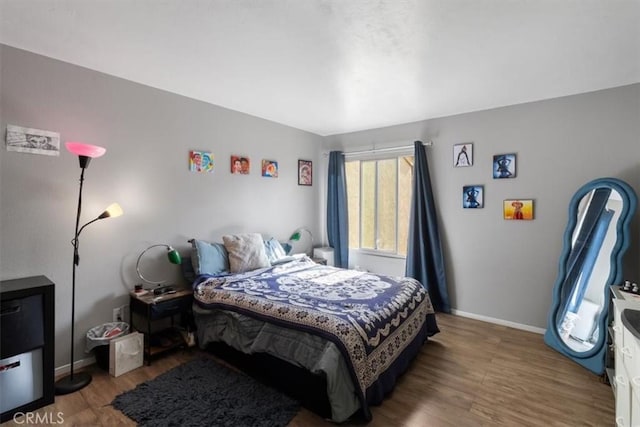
(337, 219)
(425, 261)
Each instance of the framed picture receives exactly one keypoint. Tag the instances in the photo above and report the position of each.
(200, 161)
(518, 209)
(504, 166)
(305, 172)
(269, 168)
(34, 141)
(463, 155)
(240, 165)
(473, 196)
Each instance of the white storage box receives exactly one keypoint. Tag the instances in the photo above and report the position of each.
(126, 353)
(324, 253)
(20, 380)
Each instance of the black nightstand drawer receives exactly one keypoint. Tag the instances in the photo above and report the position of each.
(168, 308)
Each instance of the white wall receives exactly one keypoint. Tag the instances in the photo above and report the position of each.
(148, 134)
(506, 269)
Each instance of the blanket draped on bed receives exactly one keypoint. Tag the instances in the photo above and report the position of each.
(371, 318)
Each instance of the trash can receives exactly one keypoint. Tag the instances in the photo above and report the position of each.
(98, 339)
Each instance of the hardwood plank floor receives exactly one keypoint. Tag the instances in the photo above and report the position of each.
(471, 374)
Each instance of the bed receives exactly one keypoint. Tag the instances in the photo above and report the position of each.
(358, 330)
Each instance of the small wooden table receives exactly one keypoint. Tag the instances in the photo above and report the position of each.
(147, 308)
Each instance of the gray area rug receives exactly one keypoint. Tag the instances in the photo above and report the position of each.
(202, 392)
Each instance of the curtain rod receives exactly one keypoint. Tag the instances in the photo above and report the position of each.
(384, 149)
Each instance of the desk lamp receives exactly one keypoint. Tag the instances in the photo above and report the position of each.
(174, 258)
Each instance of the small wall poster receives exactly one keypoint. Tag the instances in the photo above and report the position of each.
(270, 168)
(463, 155)
(200, 161)
(240, 165)
(504, 166)
(305, 172)
(518, 209)
(473, 196)
(34, 141)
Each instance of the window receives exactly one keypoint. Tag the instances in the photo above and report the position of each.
(379, 201)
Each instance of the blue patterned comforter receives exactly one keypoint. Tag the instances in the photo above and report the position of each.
(371, 318)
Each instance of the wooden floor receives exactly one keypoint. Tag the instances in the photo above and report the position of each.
(471, 374)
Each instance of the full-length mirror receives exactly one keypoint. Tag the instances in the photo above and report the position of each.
(595, 240)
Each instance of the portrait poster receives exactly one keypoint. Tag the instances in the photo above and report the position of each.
(504, 166)
(463, 155)
(269, 168)
(518, 209)
(33, 141)
(473, 196)
(305, 172)
(240, 165)
(200, 161)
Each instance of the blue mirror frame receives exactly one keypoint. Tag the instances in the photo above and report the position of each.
(594, 358)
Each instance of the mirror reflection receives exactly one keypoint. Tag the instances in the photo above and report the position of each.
(596, 237)
(588, 268)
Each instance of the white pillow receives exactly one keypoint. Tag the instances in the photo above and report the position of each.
(246, 252)
(273, 249)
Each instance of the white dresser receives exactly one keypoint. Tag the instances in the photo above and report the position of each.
(624, 375)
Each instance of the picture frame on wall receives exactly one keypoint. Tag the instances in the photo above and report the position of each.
(200, 161)
(240, 165)
(473, 196)
(504, 166)
(33, 141)
(305, 172)
(269, 168)
(463, 155)
(518, 209)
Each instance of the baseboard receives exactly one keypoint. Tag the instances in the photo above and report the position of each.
(499, 321)
(64, 369)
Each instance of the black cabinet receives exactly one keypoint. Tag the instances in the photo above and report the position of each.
(26, 345)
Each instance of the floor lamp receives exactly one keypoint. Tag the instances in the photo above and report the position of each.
(85, 153)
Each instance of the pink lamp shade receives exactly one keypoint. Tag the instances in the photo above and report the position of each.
(86, 150)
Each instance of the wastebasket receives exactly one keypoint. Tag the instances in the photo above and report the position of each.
(98, 339)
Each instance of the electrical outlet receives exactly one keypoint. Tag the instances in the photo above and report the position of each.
(117, 314)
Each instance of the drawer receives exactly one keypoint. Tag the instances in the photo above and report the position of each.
(170, 307)
(618, 306)
(623, 400)
(21, 380)
(631, 357)
(635, 407)
(619, 366)
(22, 325)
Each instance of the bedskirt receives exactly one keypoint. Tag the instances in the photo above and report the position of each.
(315, 354)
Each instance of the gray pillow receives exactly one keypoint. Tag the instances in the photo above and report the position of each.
(246, 252)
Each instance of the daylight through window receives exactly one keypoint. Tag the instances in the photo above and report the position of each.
(379, 200)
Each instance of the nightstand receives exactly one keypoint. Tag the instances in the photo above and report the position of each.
(322, 261)
(154, 316)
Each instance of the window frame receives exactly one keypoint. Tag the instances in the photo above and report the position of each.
(362, 158)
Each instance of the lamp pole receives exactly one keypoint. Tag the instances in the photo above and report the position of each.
(73, 383)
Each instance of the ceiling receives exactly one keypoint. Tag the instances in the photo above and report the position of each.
(336, 66)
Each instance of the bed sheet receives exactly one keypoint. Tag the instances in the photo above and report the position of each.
(376, 323)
